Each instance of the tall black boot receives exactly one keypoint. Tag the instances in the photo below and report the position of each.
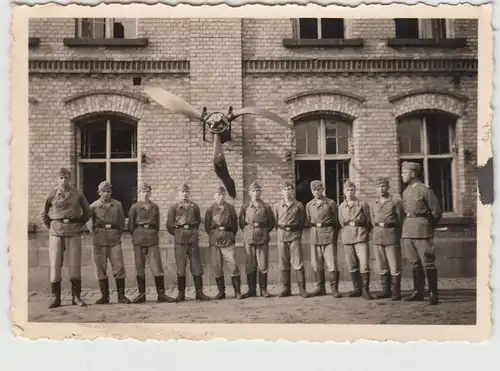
(104, 286)
(160, 290)
(263, 285)
(181, 287)
(301, 282)
(396, 287)
(236, 280)
(55, 288)
(385, 280)
(418, 285)
(141, 287)
(252, 285)
(120, 290)
(320, 284)
(334, 284)
(366, 286)
(198, 285)
(433, 286)
(286, 282)
(356, 283)
(76, 291)
(221, 287)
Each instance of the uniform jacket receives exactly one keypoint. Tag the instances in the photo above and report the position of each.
(322, 217)
(387, 218)
(107, 222)
(290, 220)
(221, 224)
(65, 212)
(183, 221)
(256, 221)
(355, 222)
(144, 223)
(423, 211)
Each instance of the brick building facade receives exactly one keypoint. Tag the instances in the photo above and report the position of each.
(364, 95)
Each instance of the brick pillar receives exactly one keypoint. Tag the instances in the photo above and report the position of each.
(215, 55)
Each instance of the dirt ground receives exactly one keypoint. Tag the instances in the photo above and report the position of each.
(457, 296)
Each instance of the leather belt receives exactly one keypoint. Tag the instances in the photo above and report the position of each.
(67, 220)
(386, 225)
(147, 226)
(412, 215)
(184, 226)
(321, 225)
(353, 224)
(222, 228)
(107, 226)
(289, 228)
(258, 225)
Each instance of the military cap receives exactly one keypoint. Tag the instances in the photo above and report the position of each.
(184, 187)
(220, 189)
(64, 172)
(381, 180)
(104, 186)
(143, 186)
(349, 184)
(254, 186)
(288, 184)
(411, 166)
(315, 184)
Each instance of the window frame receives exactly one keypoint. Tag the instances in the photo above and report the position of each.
(319, 28)
(425, 156)
(449, 28)
(322, 156)
(108, 160)
(108, 29)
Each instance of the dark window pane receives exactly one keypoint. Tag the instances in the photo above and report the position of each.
(336, 173)
(343, 145)
(90, 177)
(331, 146)
(308, 28)
(301, 131)
(306, 137)
(421, 175)
(312, 146)
(332, 28)
(404, 145)
(123, 140)
(409, 135)
(124, 181)
(301, 146)
(330, 129)
(93, 140)
(440, 181)
(438, 133)
(415, 145)
(305, 173)
(406, 28)
(439, 28)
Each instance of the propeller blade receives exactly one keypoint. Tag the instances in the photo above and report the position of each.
(222, 172)
(172, 102)
(261, 112)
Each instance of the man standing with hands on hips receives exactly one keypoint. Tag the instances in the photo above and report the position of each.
(423, 214)
(65, 212)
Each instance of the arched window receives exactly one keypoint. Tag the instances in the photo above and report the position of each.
(322, 153)
(108, 151)
(429, 139)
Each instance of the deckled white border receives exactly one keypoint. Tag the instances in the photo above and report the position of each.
(293, 332)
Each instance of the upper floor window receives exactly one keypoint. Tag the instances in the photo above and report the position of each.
(106, 28)
(108, 151)
(429, 140)
(322, 153)
(321, 28)
(416, 28)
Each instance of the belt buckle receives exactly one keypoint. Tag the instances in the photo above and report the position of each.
(352, 224)
(185, 226)
(66, 221)
(221, 228)
(146, 226)
(256, 225)
(319, 225)
(108, 226)
(408, 215)
(288, 229)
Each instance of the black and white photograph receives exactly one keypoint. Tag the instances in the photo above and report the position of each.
(278, 170)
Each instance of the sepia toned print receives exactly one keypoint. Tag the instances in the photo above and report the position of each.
(248, 175)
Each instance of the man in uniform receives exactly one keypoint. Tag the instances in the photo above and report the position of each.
(423, 214)
(183, 221)
(322, 217)
(290, 219)
(65, 212)
(107, 224)
(144, 225)
(221, 225)
(387, 217)
(256, 221)
(354, 219)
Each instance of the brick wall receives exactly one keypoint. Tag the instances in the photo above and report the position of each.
(217, 78)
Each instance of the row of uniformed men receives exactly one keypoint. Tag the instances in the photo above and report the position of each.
(411, 222)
